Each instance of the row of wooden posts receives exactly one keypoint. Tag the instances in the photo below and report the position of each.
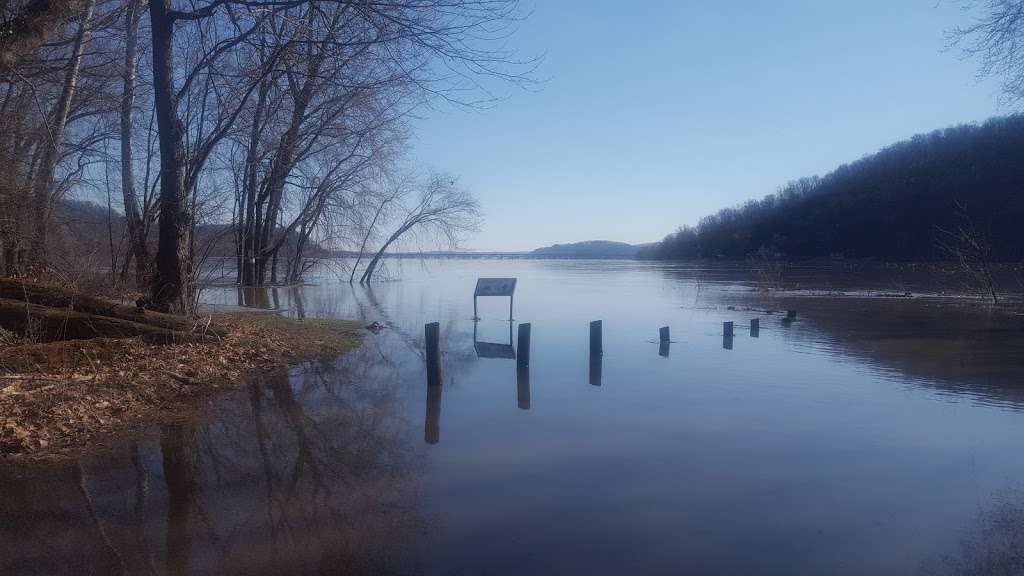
(432, 333)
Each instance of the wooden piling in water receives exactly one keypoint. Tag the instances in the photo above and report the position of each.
(523, 354)
(755, 327)
(663, 334)
(791, 314)
(727, 328)
(596, 346)
(432, 335)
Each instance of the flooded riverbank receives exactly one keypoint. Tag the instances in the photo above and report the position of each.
(868, 435)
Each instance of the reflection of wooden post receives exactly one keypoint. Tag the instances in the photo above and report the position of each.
(596, 347)
(755, 327)
(727, 341)
(432, 428)
(595, 369)
(663, 334)
(727, 328)
(663, 348)
(432, 333)
(523, 386)
(523, 354)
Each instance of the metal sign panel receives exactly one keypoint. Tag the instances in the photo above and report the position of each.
(495, 287)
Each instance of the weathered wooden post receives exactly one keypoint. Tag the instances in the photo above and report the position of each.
(790, 315)
(523, 386)
(663, 348)
(727, 341)
(596, 346)
(755, 327)
(432, 427)
(523, 354)
(432, 334)
(727, 329)
(663, 334)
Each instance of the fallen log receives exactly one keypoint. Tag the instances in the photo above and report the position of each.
(52, 324)
(54, 297)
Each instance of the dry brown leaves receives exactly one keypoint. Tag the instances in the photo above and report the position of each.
(60, 396)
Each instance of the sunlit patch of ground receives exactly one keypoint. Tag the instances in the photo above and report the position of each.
(59, 397)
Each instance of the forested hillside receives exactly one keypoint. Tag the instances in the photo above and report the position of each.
(919, 199)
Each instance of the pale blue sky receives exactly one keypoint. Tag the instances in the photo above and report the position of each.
(655, 113)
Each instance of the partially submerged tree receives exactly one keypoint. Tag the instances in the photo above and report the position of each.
(442, 212)
(971, 248)
(422, 49)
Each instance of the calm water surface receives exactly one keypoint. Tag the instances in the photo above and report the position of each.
(870, 436)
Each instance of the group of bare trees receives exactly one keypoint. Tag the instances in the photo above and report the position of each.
(281, 123)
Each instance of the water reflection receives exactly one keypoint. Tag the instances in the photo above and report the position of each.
(854, 442)
(177, 443)
(299, 474)
(596, 362)
(432, 425)
(992, 544)
(523, 386)
(493, 349)
(663, 348)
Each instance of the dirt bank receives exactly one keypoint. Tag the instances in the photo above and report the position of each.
(59, 397)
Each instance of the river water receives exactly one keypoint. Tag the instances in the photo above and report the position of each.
(871, 435)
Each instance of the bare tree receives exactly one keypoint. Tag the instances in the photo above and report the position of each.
(996, 39)
(377, 202)
(971, 248)
(430, 47)
(442, 212)
(43, 185)
(133, 210)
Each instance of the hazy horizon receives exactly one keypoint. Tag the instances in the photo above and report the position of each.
(705, 107)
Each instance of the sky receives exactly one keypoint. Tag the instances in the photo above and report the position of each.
(652, 114)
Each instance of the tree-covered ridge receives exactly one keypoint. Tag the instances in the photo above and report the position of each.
(588, 249)
(906, 202)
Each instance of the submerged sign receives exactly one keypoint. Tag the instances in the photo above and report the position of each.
(495, 287)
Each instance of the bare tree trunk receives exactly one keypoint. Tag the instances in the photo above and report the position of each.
(366, 238)
(132, 212)
(372, 266)
(247, 212)
(42, 188)
(168, 290)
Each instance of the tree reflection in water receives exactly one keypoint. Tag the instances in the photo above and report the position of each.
(304, 475)
(994, 543)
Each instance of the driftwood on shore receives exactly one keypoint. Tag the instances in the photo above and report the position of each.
(50, 313)
(49, 324)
